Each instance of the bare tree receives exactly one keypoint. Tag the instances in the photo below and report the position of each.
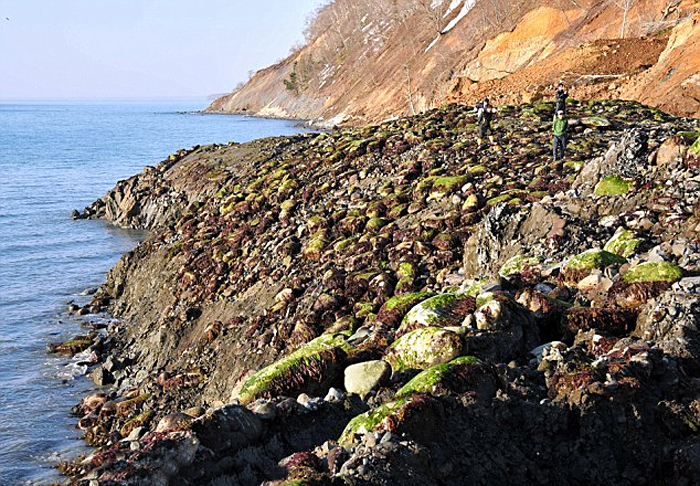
(434, 11)
(671, 6)
(409, 92)
(625, 6)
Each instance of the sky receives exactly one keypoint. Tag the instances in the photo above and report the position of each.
(140, 49)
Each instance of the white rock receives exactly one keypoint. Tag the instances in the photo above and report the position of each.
(362, 378)
(334, 396)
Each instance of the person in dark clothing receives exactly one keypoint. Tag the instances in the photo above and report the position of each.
(561, 95)
(485, 114)
(559, 126)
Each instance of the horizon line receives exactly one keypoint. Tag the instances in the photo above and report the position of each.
(208, 98)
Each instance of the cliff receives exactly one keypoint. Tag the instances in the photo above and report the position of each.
(394, 303)
(365, 61)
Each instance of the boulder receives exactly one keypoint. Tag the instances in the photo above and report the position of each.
(101, 377)
(622, 160)
(445, 310)
(174, 420)
(672, 150)
(653, 272)
(505, 232)
(229, 428)
(465, 374)
(518, 264)
(623, 243)
(423, 348)
(362, 378)
(311, 368)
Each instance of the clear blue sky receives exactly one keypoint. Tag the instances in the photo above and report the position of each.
(97, 49)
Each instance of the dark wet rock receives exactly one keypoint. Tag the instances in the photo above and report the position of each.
(229, 428)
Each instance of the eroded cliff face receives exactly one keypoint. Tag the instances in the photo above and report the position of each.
(408, 249)
(367, 61)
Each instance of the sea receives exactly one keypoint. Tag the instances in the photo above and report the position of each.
(55, 157)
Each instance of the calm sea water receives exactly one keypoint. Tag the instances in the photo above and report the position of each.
(55, 157)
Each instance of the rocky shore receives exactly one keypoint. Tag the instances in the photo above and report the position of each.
(394, 305)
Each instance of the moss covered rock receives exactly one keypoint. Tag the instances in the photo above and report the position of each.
(423, 348)
(623, 243)
(393, 310)
(443, 186)
(369, 421)
(653, 272)
(458, 376)
(517, 264)
(612, 185)
(309, 369)
(594, 258)
(443, 310)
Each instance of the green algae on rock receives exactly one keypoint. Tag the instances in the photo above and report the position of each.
(594, 258)
(653, 272)
(422, 348)
(394, 310)
(623, 243)
(73, 346)
(518, 263)
(443, 186)
(369, 421)
(612, 185)
(442, 310)
(430, 380)
(311, 366)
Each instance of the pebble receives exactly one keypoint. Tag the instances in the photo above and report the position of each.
(544, 288)
(334, 396)
(135, 434)
(610, 221)
(657, 254)
(308, 402)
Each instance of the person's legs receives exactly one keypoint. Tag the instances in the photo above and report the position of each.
(563, 145)
(558, 147)
(482, 134)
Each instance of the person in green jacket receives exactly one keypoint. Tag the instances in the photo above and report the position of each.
(559, 126)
